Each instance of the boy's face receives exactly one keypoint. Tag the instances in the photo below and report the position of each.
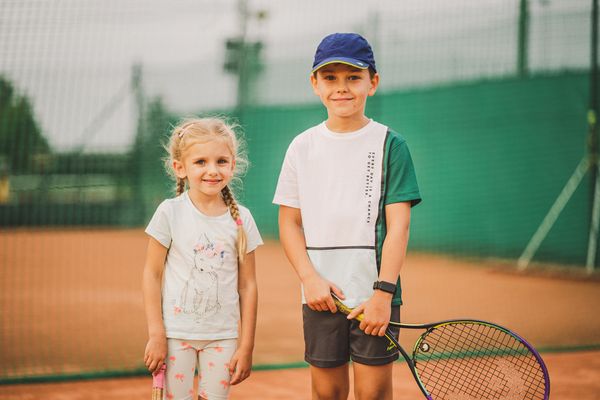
(344, 89)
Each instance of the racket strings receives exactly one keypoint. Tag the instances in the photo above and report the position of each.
(480, 369)
(474, 361)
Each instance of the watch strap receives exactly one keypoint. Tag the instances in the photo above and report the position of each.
(384, 286)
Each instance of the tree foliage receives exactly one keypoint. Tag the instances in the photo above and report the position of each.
(21, 139)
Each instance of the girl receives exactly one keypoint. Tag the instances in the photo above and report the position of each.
(199, 276)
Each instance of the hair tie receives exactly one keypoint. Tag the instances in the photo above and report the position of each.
(183, 129)
(238, 222)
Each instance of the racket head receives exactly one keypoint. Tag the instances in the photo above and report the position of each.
(477, 360)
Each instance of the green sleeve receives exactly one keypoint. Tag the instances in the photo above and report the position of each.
(401, 178)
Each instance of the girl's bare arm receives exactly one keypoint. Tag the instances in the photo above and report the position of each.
(241, 362)
(156, 348)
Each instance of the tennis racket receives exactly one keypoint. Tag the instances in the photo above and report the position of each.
(158, 383)
(468, 359)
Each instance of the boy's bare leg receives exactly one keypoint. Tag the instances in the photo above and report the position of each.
(330, 383)
(373, 382)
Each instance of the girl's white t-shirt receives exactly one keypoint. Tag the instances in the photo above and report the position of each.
(199, 294)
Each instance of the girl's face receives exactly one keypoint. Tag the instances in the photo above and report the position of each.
(207, 166)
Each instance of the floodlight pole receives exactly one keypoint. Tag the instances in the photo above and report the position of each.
(243, 57)
(137, 88)
(242, 84)
(523, 39)
(589, 161)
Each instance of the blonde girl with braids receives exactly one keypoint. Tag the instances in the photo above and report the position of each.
(199, 278)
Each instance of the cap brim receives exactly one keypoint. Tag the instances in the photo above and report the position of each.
(341, 60)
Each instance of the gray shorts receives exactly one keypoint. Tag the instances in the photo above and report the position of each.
(332, 340)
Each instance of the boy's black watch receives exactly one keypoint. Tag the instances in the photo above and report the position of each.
(385, 286)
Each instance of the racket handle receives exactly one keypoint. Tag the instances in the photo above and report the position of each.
(344, 309)
(157, 394)
(158, 383)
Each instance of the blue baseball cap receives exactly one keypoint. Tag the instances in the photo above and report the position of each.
(345, 48)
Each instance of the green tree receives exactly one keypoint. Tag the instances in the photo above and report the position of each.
(21, 139)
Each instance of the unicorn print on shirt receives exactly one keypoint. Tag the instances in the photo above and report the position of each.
(200, 295)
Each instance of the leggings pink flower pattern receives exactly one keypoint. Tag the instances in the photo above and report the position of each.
(212, 359)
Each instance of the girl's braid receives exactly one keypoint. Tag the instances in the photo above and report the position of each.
(175, 153)
(179, 186)
(235, 214)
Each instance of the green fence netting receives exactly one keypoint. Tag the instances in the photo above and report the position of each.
(491, 96)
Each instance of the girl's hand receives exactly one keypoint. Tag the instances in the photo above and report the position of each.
(240, 366)
(376, 311)
(156, 353)
(317, 293)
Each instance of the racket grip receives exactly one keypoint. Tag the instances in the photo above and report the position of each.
(157, 394)
(344, 309)
(158, 383)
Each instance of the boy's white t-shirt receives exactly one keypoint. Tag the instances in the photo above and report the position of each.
(200, 285)
(335, 179)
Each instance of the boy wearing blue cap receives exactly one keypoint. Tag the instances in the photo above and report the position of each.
(345, 193)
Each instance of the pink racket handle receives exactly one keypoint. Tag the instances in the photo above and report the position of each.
(158, 378)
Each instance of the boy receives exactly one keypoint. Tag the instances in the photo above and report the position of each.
(345, 192)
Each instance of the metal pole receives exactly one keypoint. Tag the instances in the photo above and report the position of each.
(142, 133)
(550, 218)
(593, 143)
(593, 240)
(523, 39)
(242, 87)
(374, 28)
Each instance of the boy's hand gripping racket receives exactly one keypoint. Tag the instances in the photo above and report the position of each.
(158, 383)
(471, 360)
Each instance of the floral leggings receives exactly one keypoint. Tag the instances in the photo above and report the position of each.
(212, 358)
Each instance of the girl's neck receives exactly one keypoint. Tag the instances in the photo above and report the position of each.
(212, 206)
(344, 125)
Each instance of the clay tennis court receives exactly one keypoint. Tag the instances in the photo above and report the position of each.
(71, 302)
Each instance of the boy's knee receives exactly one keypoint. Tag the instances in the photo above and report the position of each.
(373, 393)
(330, 383)
(373, 382)
(330, 391)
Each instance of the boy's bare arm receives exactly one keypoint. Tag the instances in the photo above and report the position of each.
(316, 289)
(396, 241)
(377, 308)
